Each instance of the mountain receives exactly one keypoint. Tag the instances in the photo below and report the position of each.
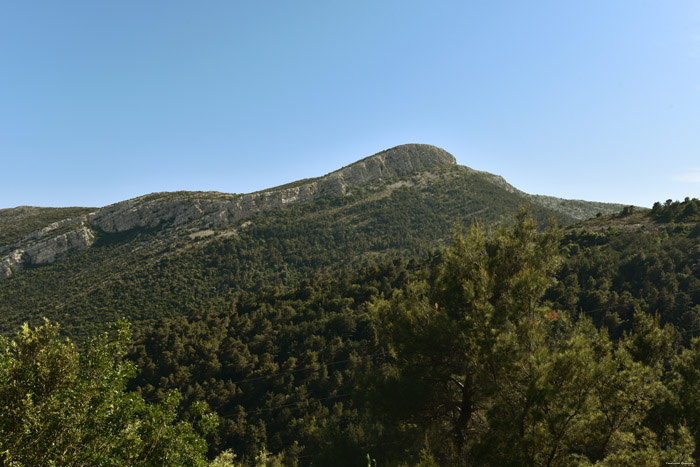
(324, 325)
(292, 369)
(170, 254)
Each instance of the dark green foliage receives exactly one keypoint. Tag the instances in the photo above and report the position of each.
(60, 406)
(284, 370)
(673, 211)
(610, 274)
(683, 383)
(626, 211)
(487, 373)
(314, 336)
(455, 360)
(476, 355)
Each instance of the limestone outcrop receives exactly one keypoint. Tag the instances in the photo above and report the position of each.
(46, 250)
(167, 209)
(150, 213)
(11, 263)
(211, 209)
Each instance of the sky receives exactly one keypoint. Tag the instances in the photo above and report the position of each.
(105, 101)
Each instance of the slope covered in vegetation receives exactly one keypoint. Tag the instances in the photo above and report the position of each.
(143, 274)
(479, 354)
(473, 357)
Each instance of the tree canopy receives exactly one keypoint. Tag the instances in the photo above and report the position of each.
(60, 406)
(518, 346)
(486, 372)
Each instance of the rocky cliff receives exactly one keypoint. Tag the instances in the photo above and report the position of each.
(210, 209)
(37, 250)
(219, 209)
(201, 211)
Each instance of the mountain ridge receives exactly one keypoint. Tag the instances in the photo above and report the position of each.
(213, 208)
(170, 254)
(202, 211)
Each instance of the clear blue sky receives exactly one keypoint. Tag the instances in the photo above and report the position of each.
(102, 101)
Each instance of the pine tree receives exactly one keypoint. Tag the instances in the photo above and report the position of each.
(488, 373)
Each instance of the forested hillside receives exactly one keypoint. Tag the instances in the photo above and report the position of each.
(490, 351)
(414, 319)
(646, 260)
(379, 360)
(146, 273)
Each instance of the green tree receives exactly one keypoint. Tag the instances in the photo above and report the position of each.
(60, 406)
(448, 339)
(488, 373)
(684, 381)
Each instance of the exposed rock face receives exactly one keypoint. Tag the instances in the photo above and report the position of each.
(202, 211)
(400, 160)
(11, 263)
(214, 209)
(140, 212)
(46, 251)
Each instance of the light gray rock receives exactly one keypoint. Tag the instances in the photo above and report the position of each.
(46, 251)
(11, 263)
(212, 209)
(150, 212)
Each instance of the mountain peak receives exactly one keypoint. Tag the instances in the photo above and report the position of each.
(408, 158)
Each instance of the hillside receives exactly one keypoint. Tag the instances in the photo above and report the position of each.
(170, 254)
(327, 328)
(367, 361)
(18, 223)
